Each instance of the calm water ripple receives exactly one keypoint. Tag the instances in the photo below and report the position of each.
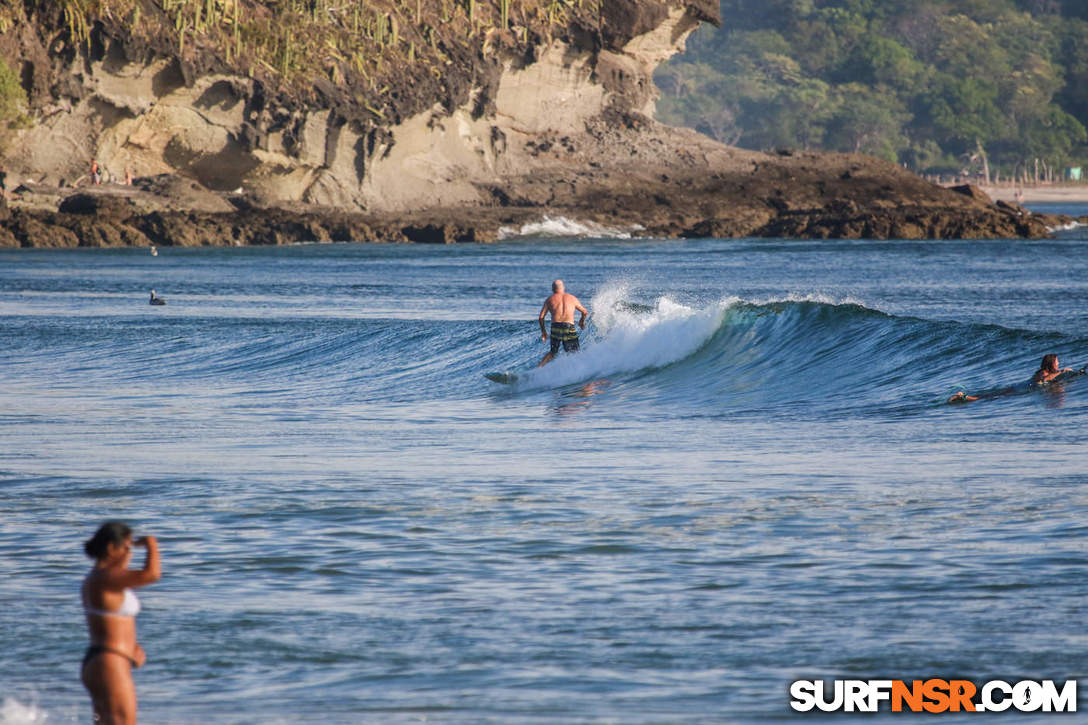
(748, 476)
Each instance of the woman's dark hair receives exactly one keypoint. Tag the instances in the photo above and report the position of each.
(1048, 360)
(111, 532)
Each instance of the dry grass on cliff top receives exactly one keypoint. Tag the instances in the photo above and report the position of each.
(291, 44)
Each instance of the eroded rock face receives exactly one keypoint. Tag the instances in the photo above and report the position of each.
(157, 117)
(699, 193)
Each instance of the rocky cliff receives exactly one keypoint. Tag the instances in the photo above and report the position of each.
(461, 117)
(138, 103)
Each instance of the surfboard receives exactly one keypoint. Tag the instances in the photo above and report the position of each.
(504, 378)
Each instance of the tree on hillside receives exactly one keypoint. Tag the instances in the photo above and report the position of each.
(930, 83)
(859, 124)
(1071, 55)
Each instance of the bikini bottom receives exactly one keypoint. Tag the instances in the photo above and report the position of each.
(96, 649)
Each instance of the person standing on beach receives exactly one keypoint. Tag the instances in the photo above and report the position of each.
(111, 608)
(561, 306)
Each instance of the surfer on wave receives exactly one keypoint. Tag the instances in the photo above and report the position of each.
(1049, 371)
(561, 306)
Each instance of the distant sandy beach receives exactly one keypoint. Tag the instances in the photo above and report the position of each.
(1071, 193)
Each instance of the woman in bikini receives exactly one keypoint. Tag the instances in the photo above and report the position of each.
(111, 608)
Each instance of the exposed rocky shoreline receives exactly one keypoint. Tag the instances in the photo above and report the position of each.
(703, 190)
(104, 218)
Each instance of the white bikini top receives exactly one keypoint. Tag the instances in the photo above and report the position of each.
(130, 606)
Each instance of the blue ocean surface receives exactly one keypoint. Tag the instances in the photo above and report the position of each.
(749, 475)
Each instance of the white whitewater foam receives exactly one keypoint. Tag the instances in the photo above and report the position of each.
(13, 712)
(563, 227)
(625, 341)
(811, 297)
(1065, 227)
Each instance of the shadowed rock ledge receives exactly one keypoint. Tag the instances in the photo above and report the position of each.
(753, 204)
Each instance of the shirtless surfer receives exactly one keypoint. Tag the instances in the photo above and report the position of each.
(561, 306)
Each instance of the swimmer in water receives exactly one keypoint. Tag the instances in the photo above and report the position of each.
(1049, 369)
(111, 608)
(1048, 372)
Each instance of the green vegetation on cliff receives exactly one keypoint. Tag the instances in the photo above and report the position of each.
(12, 105)
(940, 85)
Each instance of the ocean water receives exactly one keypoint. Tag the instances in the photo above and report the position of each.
(748, 476)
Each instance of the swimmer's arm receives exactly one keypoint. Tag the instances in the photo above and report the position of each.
(150, 574)
(1059, 375)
